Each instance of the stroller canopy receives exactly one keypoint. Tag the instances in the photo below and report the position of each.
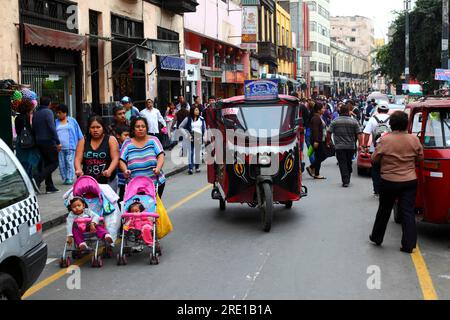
(141, 186)
(87, 187)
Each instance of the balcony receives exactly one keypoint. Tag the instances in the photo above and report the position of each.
(267, 52)
(282, 53)
(180, 6)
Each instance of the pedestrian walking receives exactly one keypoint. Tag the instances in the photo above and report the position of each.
(307, 123)
(143, 155)
(183, 104)
(26, 150)
(97, 155)
(318, 137)
(154, 119)
(48, 144)
(346, 131)
(182, 114)
(195, 126)
(130, 110)
(398, 153)
(376, 127)
(69, 134)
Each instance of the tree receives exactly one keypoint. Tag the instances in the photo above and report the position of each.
(425, 45)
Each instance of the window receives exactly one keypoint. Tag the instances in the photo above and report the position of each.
(437, 130)
(13, 187)
(282, 36)
(278, 34)
(352, 39)
(313, 66)
(417, 123)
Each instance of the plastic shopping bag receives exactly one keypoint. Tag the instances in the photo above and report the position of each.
(163, 224)
(310, 151)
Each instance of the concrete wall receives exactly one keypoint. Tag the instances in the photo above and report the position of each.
(10, 41)
(359, 28)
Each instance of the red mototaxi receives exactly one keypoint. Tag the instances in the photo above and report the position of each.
(429, 119)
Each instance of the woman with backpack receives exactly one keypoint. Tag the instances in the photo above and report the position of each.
(195, 126)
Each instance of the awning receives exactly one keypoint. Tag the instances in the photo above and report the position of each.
(45, 37)
(164, 47)
(193, 54)
(212, 74)
(172, 63)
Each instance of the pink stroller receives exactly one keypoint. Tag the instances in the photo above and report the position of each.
(139, 190)
(88, 188)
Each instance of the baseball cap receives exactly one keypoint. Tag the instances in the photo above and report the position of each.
(383, 107)
(126, 99)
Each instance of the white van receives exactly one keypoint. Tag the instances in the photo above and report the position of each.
(23, 254)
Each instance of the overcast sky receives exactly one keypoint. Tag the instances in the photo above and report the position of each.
(380, 11)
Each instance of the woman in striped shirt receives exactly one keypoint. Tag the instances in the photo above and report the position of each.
(143, 155)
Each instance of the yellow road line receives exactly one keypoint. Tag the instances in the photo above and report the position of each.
(53, 278)
(85, 259)
(426, 284)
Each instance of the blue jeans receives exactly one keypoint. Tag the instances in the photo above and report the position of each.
(66, 164)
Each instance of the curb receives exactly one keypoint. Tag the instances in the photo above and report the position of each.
(62, 218)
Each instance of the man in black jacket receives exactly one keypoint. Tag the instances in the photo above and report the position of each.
(48, 144)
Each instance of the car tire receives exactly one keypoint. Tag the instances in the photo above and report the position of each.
(9, 289)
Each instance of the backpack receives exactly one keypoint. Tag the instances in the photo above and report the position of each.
(26, 139)
(382, 127)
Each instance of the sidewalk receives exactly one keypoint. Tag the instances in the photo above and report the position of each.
(51, 207)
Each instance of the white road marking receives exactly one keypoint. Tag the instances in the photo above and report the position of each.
(50, 260)
(256, 275)
(445, 277)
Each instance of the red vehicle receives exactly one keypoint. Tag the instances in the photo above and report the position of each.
(265, 167)
(429, 118)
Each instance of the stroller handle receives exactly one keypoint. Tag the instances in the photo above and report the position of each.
(140, 215)
(86, 220)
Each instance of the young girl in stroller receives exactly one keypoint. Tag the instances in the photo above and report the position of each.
(83, 226)
(100, 203)
(139, 219)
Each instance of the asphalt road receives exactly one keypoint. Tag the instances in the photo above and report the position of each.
(317, 250)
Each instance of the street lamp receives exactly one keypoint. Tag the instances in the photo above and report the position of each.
(444, 55)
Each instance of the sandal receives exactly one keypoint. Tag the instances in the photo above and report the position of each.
(310, 172)
(320, 178)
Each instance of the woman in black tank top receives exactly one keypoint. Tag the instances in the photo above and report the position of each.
(98, 154)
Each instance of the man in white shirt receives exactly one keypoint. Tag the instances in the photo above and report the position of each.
(380, 119)
(153, 117)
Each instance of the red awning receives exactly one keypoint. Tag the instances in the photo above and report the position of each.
(41, 36)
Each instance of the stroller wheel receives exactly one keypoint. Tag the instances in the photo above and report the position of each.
(153, 259)
(62, 263)
(76, 255)
(99, 262)
(158, 249)
(94, 262)
(119, 259)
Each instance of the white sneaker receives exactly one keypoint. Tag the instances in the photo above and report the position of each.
(108, 239)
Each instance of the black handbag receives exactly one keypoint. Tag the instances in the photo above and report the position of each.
(26, 139)
(329, 151)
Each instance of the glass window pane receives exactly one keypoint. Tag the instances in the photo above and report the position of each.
(433, 131)
(13, 187)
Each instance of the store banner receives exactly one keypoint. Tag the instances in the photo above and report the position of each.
(192, 72)
(172, 63)
(249, 27)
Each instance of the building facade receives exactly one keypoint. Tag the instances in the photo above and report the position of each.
(320, 61)
(88, 54)
(350, 71)
(212, 41)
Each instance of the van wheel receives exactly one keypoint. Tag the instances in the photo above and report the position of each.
(9, 289)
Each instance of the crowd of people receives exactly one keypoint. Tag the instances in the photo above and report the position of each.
(344, 127)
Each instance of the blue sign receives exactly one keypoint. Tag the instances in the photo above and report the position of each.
(172, 63)
(442, 75)
(261, 89)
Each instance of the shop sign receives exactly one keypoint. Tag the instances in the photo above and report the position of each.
(261, 90)
(249, 27)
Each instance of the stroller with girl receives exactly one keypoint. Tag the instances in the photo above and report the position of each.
(139, 218)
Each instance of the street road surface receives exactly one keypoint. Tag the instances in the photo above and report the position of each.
(317, 250)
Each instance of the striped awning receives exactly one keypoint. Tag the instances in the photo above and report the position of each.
(172, 63)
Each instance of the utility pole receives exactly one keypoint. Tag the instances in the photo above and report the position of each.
(407, 5)
(445, 35)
